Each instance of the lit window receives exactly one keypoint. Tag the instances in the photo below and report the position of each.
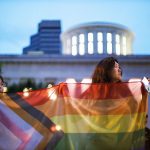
(117, 44)
(90, 37)
(124, 45)
(74, 45)
(90, 48)
(81, 44)
(109, 43)
(74, 50)
(81, 38)
(90, 43)
(74, 40)
(100, 42)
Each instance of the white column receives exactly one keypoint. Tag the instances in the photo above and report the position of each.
(77, 35)
(95, 42)
(129, 42)
(71, 44)
(68, 46)
(121, 44)
(114, 43)
(86, 42)
(105, 42)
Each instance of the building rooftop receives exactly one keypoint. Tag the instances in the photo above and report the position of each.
(71, 59)
(100, 24)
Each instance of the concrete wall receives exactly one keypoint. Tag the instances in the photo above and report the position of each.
(59, 68)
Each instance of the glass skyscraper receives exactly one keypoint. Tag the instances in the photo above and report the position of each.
(47, 40)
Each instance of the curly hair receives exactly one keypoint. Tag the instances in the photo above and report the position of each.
(103, 70)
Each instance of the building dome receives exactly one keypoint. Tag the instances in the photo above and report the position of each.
(97, 38)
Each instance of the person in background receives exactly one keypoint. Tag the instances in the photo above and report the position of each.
(1, 84)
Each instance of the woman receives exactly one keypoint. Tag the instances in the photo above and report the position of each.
(107, 70)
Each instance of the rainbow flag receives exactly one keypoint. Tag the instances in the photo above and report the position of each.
(75, 116)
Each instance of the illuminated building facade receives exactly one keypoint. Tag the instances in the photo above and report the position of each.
(97, 38)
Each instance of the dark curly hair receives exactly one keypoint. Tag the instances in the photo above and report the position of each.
(103, 70)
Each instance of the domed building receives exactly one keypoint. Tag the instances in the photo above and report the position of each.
(83, 46)
(97, 38)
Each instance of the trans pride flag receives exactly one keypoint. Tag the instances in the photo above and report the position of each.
(75, 116)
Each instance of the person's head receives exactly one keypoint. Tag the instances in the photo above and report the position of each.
(107, 70)
(1, 84)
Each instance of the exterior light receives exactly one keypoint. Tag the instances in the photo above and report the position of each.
(49, 86)
(25, 92)
(52, 94)
(86, 80)
(70, 80)
(55, 128)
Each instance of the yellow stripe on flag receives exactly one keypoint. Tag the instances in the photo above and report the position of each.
(100, 124)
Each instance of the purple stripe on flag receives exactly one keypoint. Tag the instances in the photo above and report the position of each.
(19, 133)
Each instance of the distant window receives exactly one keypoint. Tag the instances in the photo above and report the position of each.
(81, 44)
(74, 40)
(100, 42)
(124, 45)
(74, 45)
(117, 44)
(90, 43)
(109, 43)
